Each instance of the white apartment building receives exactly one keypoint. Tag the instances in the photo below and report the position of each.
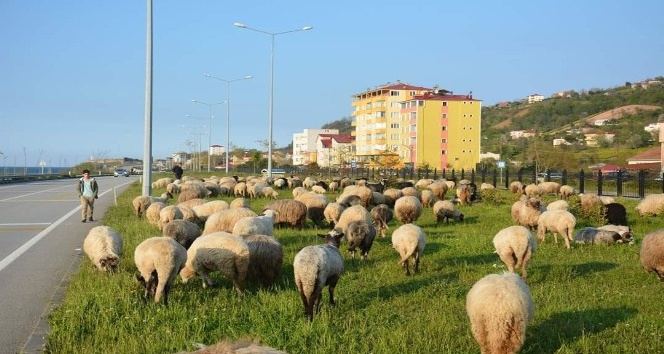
(536, 97)
(304, 145)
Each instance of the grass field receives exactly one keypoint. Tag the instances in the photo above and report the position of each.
(590, 299)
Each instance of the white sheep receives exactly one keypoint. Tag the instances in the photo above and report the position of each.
(240, 203)
(515, 245)
(256, 225)
(182, 231)
(391, 195)
(427, 198)
(265, 258)
(168, 214)
(103, 246)
(558, 222)
(651, 205)
(381, 215)
(224, 220)
(652, 253)
(289, 212)
(532, 190)
(269, 192)
(407, 209)
(218, 251)
(203, 211)
(499, 308)
(243, 346)
(517, 187)
(409, 241)
(332, 213)
(152, 213)
(360, 234)
(316, 204)
(158, 259)
(318, 189)
(550, 187)
(161, 182)
(566, 191)
(445, 210)
(142, 202)
(318, 266)
(560, 204)
(192, 203)
(526, 212)
(350, 214)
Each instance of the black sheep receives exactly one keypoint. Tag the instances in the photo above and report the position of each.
(615, 214)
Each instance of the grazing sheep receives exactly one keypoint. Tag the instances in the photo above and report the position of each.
(192, 203)
(360, 234)
(566, 191)
(381, 215)
(515, 245)
(411, 191)
(532, 190)
(218, 251)
(558, 205)
(652, 253)
(438, 188)
(377, 198)
(158, 259)
(289, 212)
(239, 347)
(142, 202)
(240, 189)
(256, 225)
(427, 198)
(516, 187)
(152, 213)
(188, 195)
(391, 195)
(363, 192)
(606, 199)
(168, 214)
(332, 213)
(464, 194)
(298, 191)
(423, 183)
(407, 209)
(316, 204)
(239, 203)
(333, 187)
(558, 222)
(188, 214)
(103, 246)
(526, 212)
(589, 201)
(318, 189)
(651, 205)
(265, 258)
(349, 200)
(445, 210)
(350, 214)
(269, 192)
(162, 182)
(206, 209)
(615, 214)
(318, 266)
(592, 235)
(182, 231)
(224, 220)
(409, 241)
(550, 188)
(500, 307)
(173, 188)
(486, 186)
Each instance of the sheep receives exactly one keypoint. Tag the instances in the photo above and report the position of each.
(516, 187)
(206, 209)
(158, 259)
(360, 234)
(224, 220)
(589, 201)
(188, 214)
(280, 183)
(298, 191)
(515, 245)
(256, 225)
(192, 203)
(526, 212)
(624, 231)
(391, 195)
(592, 235)
(142, 202)
(332, 212)
(464, 194)
(377, 198)
(173, 188)
(486, 186)
(411, 191)
(316, 204)
(606, 199)
(183, 231)
(550, 187)
(350, 214)
(187, 195)
(318, 266)
(558, 205)
(349, 200)
(500, 307)
(556, 221)
(265, 258)
(381, 215)
(289, 211)
(566, 191)
(407, 209)
(532, 190)
(240, 189)
(218, 251)
(409, 241)
(651, 205)
(333, 187)
(168, 214)
(652, 253)
(423, 183)
(427, 198)
(438, 188)
(318, 189)
(239, 347)
(161, 183)
(239, 203)
(363, 192)
(615, 214)
(152, 212)
(103, 246)
(444, 209)
(269, 192)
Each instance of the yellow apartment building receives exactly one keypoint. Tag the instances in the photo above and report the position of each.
(378, 122)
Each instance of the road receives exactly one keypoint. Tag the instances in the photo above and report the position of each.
(41, 236)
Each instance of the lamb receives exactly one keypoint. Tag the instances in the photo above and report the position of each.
(381, 215)
(256, 225)
(103, 246)
(318, 266)
(224, 220)
(158, 259)
(651, 205)
(332, 213)
(499, 308)
(218, 251)
(354, 213)
(592, 235)
(360, 234)
(566, 191)
(407, 209)
(652, 253)
(557, 221)
(289, 211)
(409, 241)
(516, 187)
(615, 214)
(182, 231)
(269, 192)
(444, 209)
(515, 245)
(265, 259)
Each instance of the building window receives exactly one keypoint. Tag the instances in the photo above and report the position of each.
(394, 125)
(444, 141)
(444, 115)
(444, 127)
(444, 103)
(443, 152)
(394, 93)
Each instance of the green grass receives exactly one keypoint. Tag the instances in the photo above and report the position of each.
(591, 299)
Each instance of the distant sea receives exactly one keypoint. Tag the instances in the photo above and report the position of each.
(22, 170)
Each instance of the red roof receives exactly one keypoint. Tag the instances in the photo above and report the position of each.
(654, 154)
(434, 97)
(339, 138)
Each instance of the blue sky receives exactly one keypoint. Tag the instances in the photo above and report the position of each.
(72, 73)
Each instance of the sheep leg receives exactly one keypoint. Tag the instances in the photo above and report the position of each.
(332, 281)
(567, 235)
(524, 264)
(167, 289)
(417, 262)
(404, 263)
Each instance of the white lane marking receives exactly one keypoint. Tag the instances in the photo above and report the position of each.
(26, 224)
(37, 192)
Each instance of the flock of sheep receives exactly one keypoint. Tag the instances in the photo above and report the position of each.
(203, 235)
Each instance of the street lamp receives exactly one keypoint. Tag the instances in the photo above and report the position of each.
(269, 136)
(209, 127)
(228, 109)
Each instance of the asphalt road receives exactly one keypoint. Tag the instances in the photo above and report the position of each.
(41, 236)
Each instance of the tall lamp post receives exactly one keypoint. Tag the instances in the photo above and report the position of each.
(269, 136)
(228, 109)
(209, 126)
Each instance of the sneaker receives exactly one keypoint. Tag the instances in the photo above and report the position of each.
(83, 220)
(90, 219)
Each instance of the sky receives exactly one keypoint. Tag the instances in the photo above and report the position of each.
(73, 73)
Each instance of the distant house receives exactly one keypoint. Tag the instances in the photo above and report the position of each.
(592, 136)
(504, 104)
(652, 127)
(646, 160)
(560, 141)
(334, 149)
(515, 134)
(601, 122)
(535, 98)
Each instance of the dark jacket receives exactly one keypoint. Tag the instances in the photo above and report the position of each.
(95, 187)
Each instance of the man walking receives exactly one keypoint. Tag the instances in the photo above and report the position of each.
(87, 193)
